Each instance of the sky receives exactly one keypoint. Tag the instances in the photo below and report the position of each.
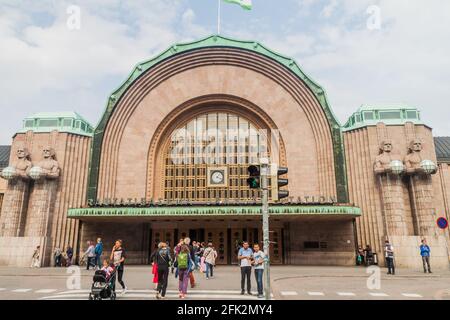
(58, 55)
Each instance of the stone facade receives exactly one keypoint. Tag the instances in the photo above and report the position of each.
(402, 209)
(44, 220)
(126, 161)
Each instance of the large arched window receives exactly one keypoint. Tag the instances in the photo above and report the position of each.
(208, 142)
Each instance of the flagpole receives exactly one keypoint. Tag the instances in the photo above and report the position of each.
(218, 17)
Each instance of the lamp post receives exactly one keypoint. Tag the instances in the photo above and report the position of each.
(265, 217)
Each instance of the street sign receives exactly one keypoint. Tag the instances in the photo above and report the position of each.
(442, 223)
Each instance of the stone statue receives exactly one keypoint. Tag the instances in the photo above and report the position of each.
(421, 187)
(413, 160)
(16, 197)
(388, 169)
(384, 158)
(21, 168)
(48, 168)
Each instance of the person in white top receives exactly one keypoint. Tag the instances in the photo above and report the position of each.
(389, 256)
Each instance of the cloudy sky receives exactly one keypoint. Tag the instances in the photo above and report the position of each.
(47, 66)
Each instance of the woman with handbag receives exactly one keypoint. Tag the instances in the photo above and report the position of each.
(210, 256)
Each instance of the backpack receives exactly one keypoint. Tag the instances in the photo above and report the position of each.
(182, 260)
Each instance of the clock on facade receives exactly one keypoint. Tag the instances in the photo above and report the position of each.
(217, 177)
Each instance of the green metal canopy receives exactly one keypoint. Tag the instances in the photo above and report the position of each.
(200, 211)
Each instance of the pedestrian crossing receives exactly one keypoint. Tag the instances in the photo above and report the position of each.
(297, 295)
(83, 294)
(151, 295)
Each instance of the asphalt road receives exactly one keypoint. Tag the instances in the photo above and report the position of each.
(288, 282)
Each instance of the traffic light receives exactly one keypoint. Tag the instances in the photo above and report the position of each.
(277, 183)
(254, 180)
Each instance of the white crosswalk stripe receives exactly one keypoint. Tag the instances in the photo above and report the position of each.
(344, 294)
(21, 290)
(378, 294)
(316, 293)
(2, 289)
(46, 290)
(412, 295)
(151, 294)
(289, 293)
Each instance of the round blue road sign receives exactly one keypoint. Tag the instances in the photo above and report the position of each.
(442, 223)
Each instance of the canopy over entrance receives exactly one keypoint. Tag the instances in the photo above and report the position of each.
(276, 211)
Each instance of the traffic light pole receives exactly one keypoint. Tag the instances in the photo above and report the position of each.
(265, 217)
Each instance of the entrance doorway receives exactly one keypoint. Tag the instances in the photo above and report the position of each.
(225, 240)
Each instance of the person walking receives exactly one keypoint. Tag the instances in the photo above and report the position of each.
(57, 254)
(118, 257)
(163, 260)
(69, 255)
(258, 263)
(90, 255)
(185, 265)
(196, 246)
(201, 251)
(389, 255)
(98, 253)
(176, 250)
(187, 241)
(245, 255)
(360, 256)
(155, 266)
(35, 259)
(210, 256)
(425, 253)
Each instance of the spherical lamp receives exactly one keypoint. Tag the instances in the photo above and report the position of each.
(36, 173)
(9, 173)
(428, 166)
(397, 167)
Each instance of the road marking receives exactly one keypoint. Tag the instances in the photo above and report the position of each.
(21, 290)
(412, 295)
(81, 296)
(346, 294)
(289, 293)
(378, 294)
(2, 289)
(316, 293)
(46, 291)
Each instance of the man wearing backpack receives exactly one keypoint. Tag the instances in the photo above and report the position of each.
(185, 265)
(187, 242)
(163, 259)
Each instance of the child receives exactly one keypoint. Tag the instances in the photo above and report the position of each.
(107, 268)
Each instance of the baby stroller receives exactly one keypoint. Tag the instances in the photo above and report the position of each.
(103, 287)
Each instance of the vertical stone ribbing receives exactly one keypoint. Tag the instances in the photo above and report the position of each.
(14, 208)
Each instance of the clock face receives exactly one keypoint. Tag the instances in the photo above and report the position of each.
(217, 177)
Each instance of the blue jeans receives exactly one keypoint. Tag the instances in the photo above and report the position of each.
(259, 280)
(197, 261)
(98, 260)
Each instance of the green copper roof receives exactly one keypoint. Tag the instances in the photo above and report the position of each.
(370, 115)
(67, 121)
(181, 211)
(219, 41)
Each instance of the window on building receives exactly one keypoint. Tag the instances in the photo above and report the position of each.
(368, 115)
(311, 245)
(48, 123)
(212, 139)
(390, 115)
(410, 114)
(29, 123)
(67, 122)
